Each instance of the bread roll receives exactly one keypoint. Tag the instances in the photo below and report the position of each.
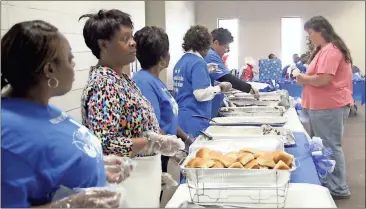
(200, 163)
(203, 153)
(253, 164)
(248, 150)
(245, 157)
(218, 164)
(191, 163)
(227, 161)
(203, 163)
(266, 160)
(285, 157)
(281, 166)
(236, 165)
(232, 155)
(215, 155)
(259, 154)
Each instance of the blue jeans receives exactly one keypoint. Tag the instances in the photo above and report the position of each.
(329, 125)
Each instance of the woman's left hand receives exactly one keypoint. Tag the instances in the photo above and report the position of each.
(117, 168)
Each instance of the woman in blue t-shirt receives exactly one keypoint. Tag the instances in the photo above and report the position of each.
(192, 84)
(42, 148)
(152, 51)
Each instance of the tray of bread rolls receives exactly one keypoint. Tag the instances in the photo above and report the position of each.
(230, 163)
(249, 120)
(252, 111)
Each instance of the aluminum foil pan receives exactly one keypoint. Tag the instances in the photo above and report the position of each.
(232, 177)
(243, 132)
(252, 111)
(254, 121)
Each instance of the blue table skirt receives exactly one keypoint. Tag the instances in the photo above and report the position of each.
(306, 172)
(295, 90)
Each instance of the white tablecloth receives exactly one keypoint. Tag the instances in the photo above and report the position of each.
(299, 195)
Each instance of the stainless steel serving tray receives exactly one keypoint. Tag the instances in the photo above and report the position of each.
(238, 102)
(245, 121)
(231, 143)
(277, 98)
(252, 111)
(244, 132)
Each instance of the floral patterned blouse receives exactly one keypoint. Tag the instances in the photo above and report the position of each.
(116, 111)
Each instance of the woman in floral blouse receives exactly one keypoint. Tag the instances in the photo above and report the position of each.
(116, 111)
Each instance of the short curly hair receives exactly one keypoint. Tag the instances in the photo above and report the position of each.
(222, 35)
(197, 38)
(102, 26)
(151, 44)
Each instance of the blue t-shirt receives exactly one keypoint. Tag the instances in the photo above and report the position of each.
(301, 67)
(214, 57)
(191, 73)
(41, 149)
(165, 107)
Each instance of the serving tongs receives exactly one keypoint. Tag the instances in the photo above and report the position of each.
(206, 135)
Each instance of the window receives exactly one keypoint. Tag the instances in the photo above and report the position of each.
(233, 26)
(291, 38)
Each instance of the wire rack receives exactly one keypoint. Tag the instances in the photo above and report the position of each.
(238, 187)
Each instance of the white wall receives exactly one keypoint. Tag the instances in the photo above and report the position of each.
(65, 15)
(179, 17)
(260, 23)
(155, 16)
(155, 13)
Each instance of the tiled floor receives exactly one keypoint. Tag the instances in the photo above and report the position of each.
(354, 150)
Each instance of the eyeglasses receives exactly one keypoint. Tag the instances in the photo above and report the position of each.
(227, 49)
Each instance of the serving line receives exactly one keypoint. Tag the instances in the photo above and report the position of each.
(304, 185)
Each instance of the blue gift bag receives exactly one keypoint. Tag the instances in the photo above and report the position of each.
(270, 69)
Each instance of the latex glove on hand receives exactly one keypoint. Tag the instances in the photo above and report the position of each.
(179, 156)
(225, 86)
(296, 72)
(255, 93)
(167, 145)
(117, 168)
(90, 198)
(228, 103)
(213, 68)
(167, 181)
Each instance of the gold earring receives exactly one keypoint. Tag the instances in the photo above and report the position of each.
(50, 84)
(162, 65)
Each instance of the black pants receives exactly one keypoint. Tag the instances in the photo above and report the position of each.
(164, 168)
